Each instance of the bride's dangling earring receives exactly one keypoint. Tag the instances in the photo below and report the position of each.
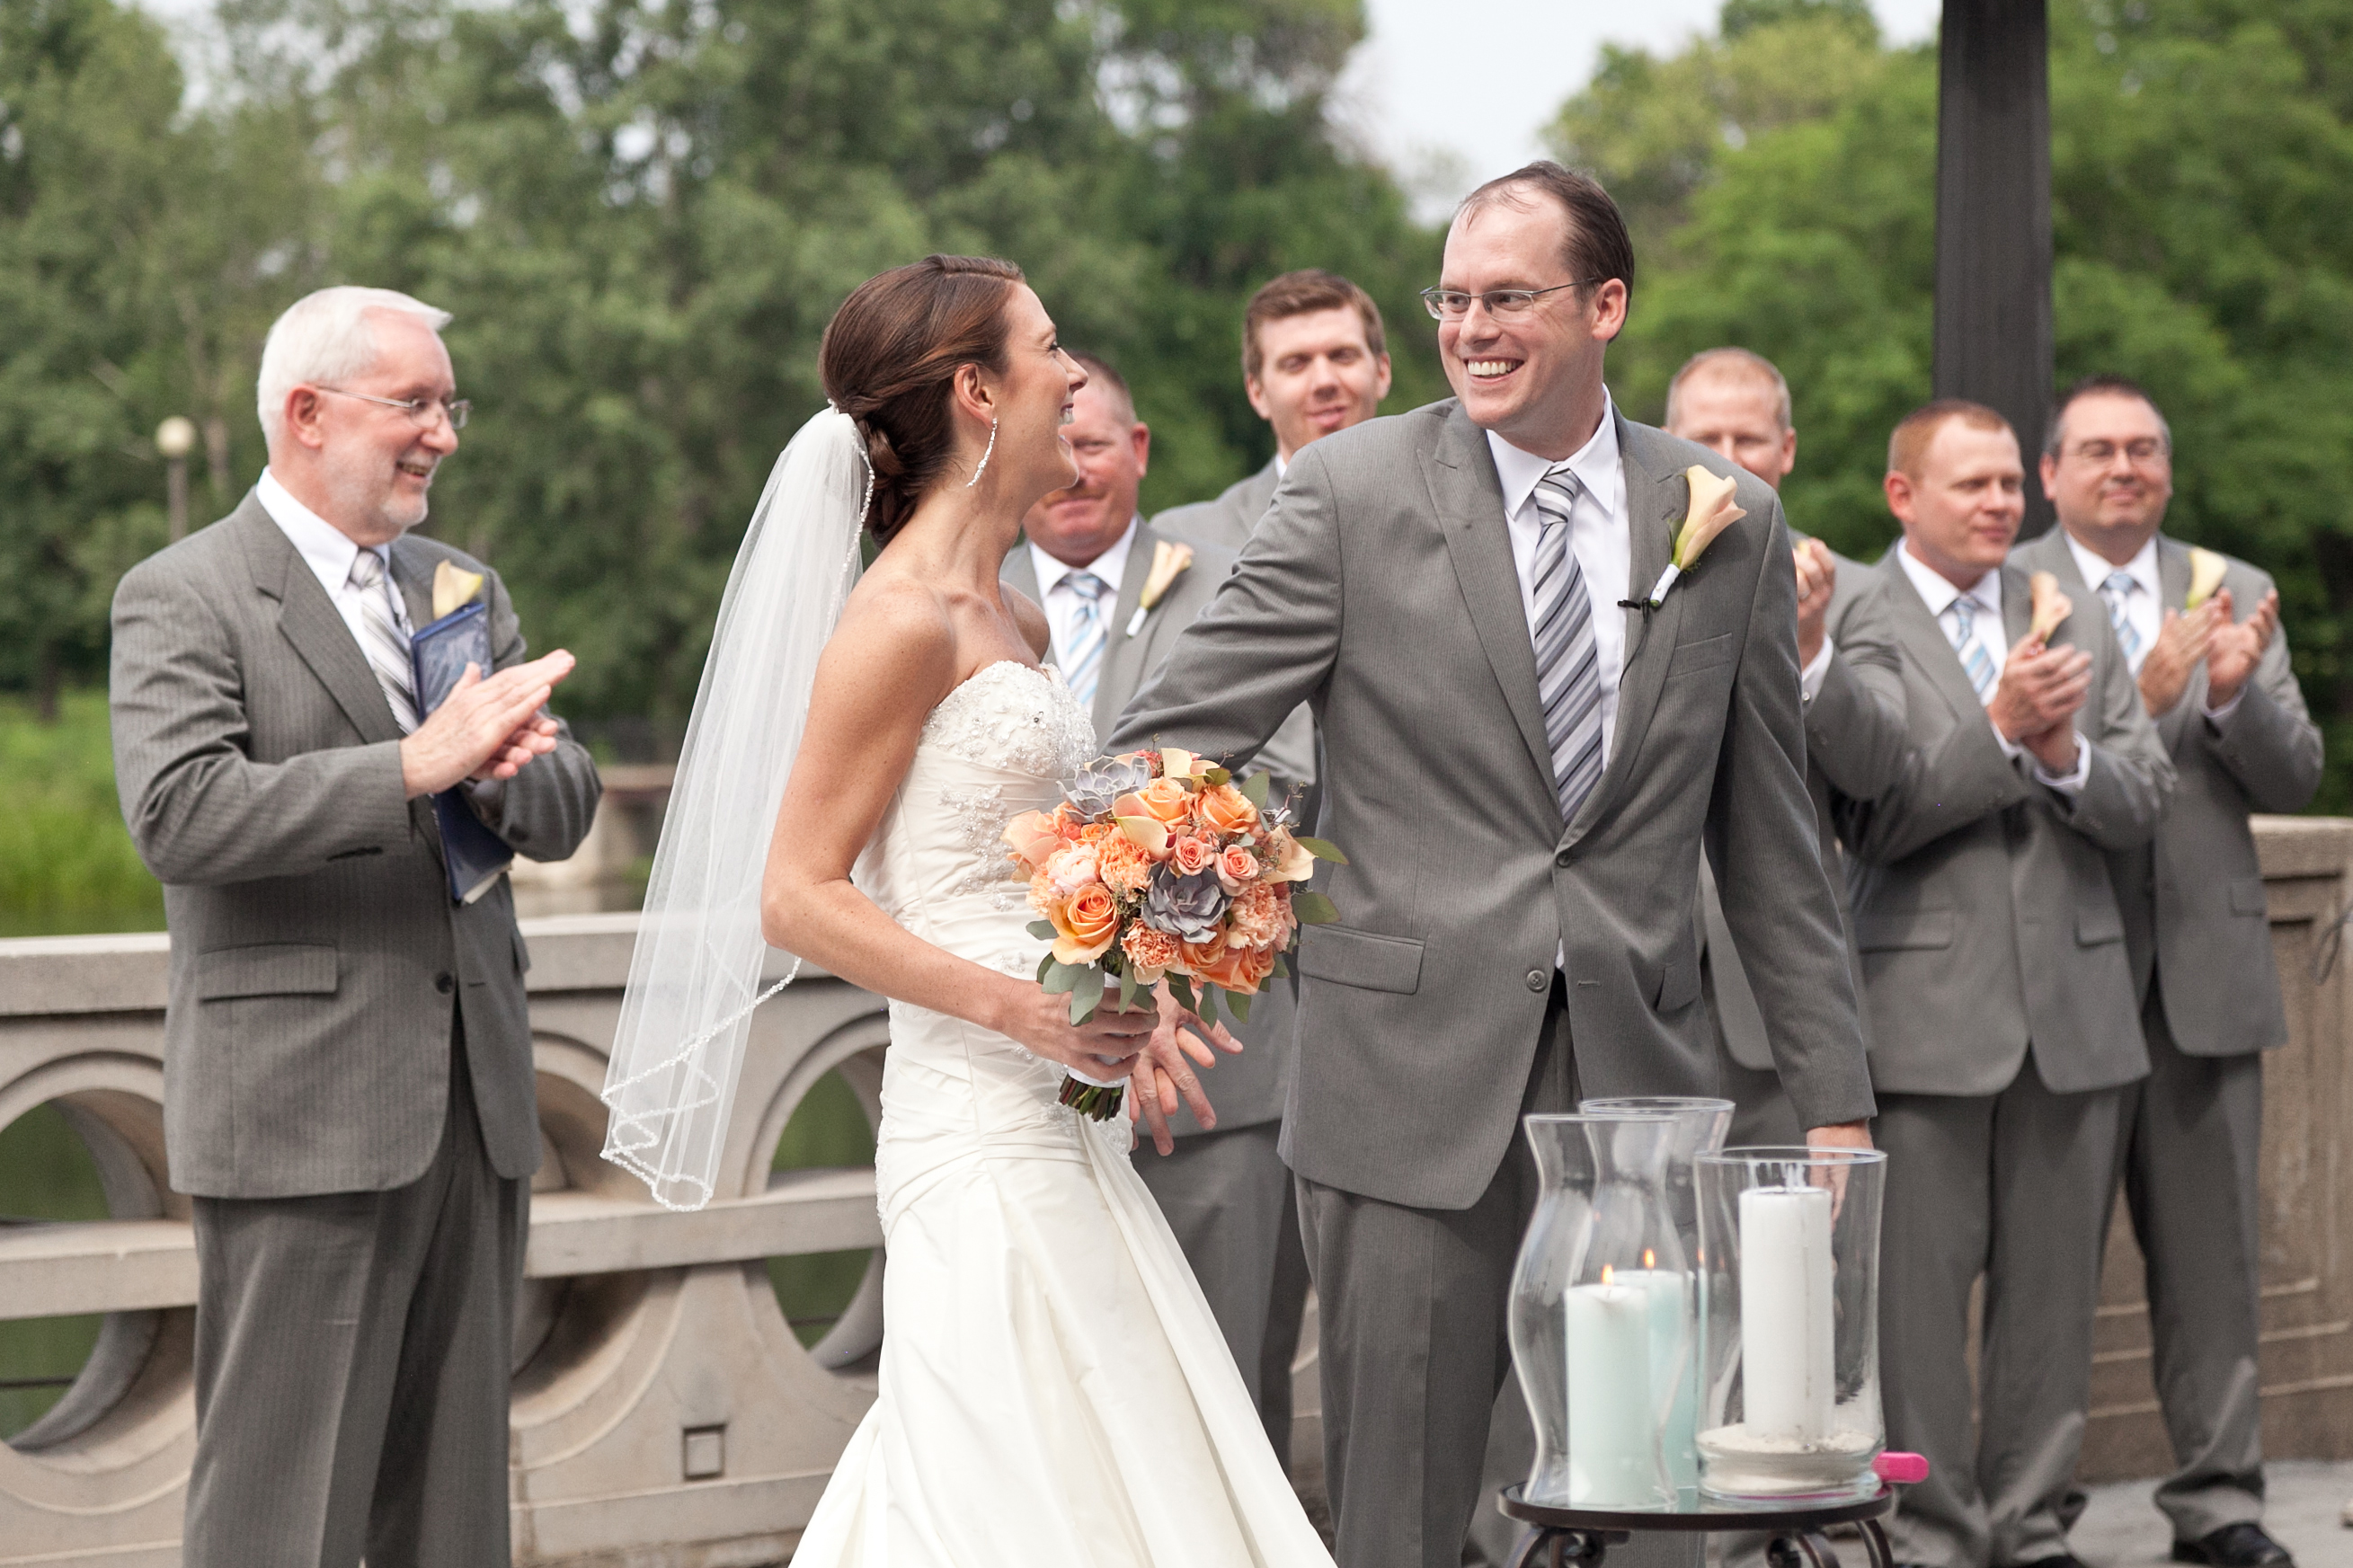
(983, 455)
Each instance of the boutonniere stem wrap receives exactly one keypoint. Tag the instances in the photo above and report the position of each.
(1711, 512)
(1169, 560)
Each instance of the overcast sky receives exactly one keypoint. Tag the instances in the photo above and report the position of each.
(1450, 93)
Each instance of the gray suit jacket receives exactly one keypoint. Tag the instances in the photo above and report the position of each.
(1982, 902)
(315, 948)
(1380, 587)
(2193, 897)
(1227, 521)
(1247, 1089)
(1855, 743)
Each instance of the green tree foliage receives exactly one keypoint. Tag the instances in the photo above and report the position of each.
(1781, 181)
(642, 213)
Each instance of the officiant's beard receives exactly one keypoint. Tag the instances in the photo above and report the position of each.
(364, 487)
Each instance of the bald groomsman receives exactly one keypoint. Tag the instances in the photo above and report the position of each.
(1224, 1193)
(2001, 994)
(1736, 402)
(2228, 710)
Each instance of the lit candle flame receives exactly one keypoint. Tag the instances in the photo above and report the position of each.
(1606, 1272)
(1650, 1258)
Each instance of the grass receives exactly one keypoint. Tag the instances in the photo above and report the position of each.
(65, 861)
(827, 1128)
(45, 1175)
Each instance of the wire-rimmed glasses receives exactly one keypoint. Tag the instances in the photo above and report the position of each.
(420, 410)
(1453, 304)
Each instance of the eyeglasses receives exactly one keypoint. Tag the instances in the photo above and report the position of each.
(1453, 304)
(2141, 452)
(420, 410)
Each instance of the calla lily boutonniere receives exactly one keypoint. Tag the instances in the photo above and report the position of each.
(453, 588)
(1169, 560)
(1711, 513)
(2206, 570)
(2050, 606)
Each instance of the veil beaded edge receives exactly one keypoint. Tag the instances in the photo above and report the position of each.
(694, 977)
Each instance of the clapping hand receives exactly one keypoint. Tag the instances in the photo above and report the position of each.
(2235, 650)
(2035, 704)
(488, 728)
(2181, 642)
(1162, 1080)
(1817, 578)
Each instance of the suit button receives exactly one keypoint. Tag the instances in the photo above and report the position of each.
(445, 982)
(1562, 859)
(1535, 979)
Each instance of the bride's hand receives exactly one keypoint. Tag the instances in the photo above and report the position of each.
(1105, 1046)
(1162, 1080)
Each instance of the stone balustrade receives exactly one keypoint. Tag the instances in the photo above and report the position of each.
(665, 1413)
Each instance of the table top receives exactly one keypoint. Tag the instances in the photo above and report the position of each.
(1704, 1514)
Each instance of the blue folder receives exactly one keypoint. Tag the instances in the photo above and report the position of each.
(475, 857)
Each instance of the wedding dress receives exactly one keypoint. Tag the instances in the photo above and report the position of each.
(1054, 1392)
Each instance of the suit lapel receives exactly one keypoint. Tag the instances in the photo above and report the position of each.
(1655, 502)
(309, 620)
(1468, 500)
(1124, 656)
(1925, 642)
(2018, 605)
(2172, 575)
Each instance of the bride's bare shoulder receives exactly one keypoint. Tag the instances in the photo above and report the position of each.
(1035, 629)
(896, 634)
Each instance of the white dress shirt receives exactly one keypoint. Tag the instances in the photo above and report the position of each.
(2144, 605)
(1988, 632)
(1597, 532)
(329, 553)
(1063, 603)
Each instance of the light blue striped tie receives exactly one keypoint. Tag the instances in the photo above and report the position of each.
(382, 640)
(1082, 665)
(2116, 591)
(1568, 664)
(1975, 663)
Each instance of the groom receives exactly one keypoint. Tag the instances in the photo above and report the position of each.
(1522, 774)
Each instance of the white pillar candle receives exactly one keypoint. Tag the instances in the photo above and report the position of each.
(1669, 1298)
(1612, 1430)
(1786, 1326)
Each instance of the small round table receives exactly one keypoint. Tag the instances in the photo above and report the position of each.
(1559, 1537)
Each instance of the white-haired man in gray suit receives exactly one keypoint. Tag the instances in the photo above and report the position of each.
(2228, 710)
(1088, 556)
(1522, 771)
(348, 1090)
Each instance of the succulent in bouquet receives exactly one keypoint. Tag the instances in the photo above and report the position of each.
(1159, 867)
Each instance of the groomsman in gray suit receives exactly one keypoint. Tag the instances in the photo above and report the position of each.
(2228, 710)
(1224, 1190)
(2001, 993)
(1735, 404)
(1522, 772)
(348, 1093)
(1314, 360)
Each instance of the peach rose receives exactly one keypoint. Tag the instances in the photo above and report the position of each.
(1085, 925)
(1261, 917)
(1223, 809)
(1162, 800)
(1239, 970)
(1194, 958)
(1149, 952)
(1192, 855)
(1034, 835)
(1072, 868)
(1291, 863)
(1123, 865)
(1236, 868)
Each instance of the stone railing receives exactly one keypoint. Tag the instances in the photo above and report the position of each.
(667, 1416)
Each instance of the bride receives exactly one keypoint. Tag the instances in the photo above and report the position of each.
(1054, 1392)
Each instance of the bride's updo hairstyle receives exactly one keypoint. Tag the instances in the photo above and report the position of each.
(889, 357)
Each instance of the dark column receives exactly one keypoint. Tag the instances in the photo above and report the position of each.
(1993, 218)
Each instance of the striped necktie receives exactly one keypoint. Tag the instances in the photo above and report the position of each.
(1083, 661)
(1568, 664)
(381, 638)
(2116, 591)
(1975, 662)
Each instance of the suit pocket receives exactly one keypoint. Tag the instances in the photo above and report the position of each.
(1706, 653)
(1895, 933)
(2099, 924)
(1361, 959)
(280, 969)
(1677, 985)
(2247, 897)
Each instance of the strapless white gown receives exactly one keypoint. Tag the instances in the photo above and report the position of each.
(1054, 1392)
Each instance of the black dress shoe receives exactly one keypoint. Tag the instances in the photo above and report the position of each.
(2241, 1545)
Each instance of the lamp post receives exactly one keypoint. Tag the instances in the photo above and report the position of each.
(175, 438)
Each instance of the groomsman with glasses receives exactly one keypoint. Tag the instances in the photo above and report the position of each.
(1224, 1190)
(2216, 682)
(2001, 994)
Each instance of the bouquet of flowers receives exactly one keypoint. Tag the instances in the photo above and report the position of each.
(1159, 866)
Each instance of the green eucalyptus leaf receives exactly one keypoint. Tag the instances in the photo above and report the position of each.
(1182, 989)
(1086, 991)
(1254, 790)
(1060, 976)
(1282, 968)
(1128, 991)
(1314, 909)
(1238, 1003)
(1322, 850)
(1042, 930)
(1045, 967)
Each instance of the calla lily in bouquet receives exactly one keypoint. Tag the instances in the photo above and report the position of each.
(1710, 512)
(1157, 866)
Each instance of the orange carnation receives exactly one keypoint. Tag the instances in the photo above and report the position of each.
(1261, 917)
(1122, 865)
(1085, 925)
(1223, 809)
(1149, 952)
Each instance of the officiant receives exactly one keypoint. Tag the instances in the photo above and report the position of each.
(348, 1092)
(1117, 592)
